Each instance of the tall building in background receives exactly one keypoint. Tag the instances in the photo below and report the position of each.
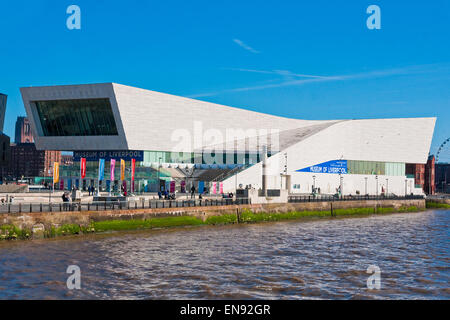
(4, 141)
(4, 156)
(443, 177)
(3, 98)
(430, 176)
(28, 162)
(23, 131)
(25, 160)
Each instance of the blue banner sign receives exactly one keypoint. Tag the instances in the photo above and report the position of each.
(201, 187)
(126, 155)
(101, 169)
(331, 167)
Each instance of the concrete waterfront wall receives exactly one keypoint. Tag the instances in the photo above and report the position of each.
(439, 200)
(56, 219)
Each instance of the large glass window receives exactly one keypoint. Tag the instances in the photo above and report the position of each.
(372, 167)
(82, 117)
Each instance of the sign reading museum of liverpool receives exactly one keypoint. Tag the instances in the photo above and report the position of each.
(334, 166)
(126, 155)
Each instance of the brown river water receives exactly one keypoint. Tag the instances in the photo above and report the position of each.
(315, 259)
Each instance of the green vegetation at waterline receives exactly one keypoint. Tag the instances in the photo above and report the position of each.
(10, 232)
(118, 225)
(437, 205)
(248, 216)
(68, 229)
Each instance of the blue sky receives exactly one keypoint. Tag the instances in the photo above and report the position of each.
(302, 59)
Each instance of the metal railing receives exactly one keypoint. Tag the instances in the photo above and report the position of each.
(327, 198)
(117, 205)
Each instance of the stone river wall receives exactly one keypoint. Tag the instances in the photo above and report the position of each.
(48, 219)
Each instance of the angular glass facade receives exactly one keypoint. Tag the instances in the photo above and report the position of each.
(199, 158)
(81, 117)
(149, 174)
(374, 167)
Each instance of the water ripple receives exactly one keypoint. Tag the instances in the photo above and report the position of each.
(322, 259)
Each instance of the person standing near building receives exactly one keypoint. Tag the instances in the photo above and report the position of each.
(65, 199)
(193, 192)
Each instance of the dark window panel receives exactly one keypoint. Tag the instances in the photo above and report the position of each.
(82, 117)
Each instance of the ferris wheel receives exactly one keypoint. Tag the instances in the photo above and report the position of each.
(443, 153)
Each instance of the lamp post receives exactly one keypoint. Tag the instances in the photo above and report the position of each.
(159, 174)
(387, 187)
(341, 184)
(365, 185)
(406, 187)
(444, 190)
(285, 163)
(285, 172)
(314, 184)
(50, 189)
(376, 178)
(281, 181)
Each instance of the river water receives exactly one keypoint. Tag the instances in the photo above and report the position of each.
(316, 259)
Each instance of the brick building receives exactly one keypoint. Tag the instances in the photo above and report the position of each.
(4, 156)
(28, 162)
(23, 131)
(443, 177)
(416, 171)
(423, 174)
(430, 176)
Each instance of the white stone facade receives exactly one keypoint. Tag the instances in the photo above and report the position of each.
(147, 120)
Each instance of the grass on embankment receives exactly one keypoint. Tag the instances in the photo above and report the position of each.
(119, 225)
(9, 232)
(249, 217)
(437, 205)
